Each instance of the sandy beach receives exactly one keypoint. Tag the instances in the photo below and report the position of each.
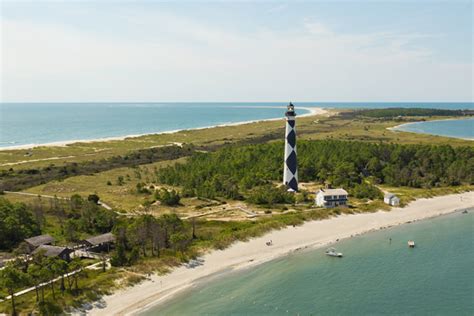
(311, 111)
(241, 255)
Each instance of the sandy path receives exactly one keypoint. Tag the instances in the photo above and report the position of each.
(255, 251)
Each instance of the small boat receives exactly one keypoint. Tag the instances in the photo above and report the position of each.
(411, 244)
(333, 253)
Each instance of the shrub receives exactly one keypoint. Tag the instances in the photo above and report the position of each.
(170, 198)
(94, 198)
(366, 191)
(269, 195)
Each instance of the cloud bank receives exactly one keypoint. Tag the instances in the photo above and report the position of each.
(160, 56)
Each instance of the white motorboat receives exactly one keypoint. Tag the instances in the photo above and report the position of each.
(333, 253)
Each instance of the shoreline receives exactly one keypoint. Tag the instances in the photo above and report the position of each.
(241, 255)
(399, 128)
(311, 112)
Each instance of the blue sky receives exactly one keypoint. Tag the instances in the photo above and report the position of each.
(237, 51)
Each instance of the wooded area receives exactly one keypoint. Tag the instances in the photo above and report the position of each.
(232, 172)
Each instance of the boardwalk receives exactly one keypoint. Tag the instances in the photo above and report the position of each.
(94, 266)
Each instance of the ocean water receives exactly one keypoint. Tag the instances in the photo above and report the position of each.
(375, 277)
(41, 123)
(27, 123)
(463, 128)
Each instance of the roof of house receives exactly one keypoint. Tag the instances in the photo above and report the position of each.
(97, 240)
(333, 192)
(40, 240)
(50, 251)
(389, 195)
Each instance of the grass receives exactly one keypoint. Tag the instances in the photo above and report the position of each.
(105, 184)
(96, 284)
(408, 194)
(212, 234)
(314, 127)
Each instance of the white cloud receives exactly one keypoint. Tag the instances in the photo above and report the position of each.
(171, 58)
(278, 8)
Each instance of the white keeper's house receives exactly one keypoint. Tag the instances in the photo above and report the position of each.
(331, 198)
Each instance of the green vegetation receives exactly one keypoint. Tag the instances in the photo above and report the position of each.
(396, 112)
(344, 126)
(408, 194)
(366, 191)
(71, 220)
(234, 170)
(147, 235)
(83, 217)
(269, 195)
(216, 171)
(12, 180)
(145, 244)
(134, 191)
(16, 224)
(70, 291)
(168, 197)
(12, 279)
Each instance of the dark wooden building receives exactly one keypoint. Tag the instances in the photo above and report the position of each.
(35, 242)
(54, 251)
(100, 242)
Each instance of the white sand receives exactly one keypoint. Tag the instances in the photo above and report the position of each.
(246, 254)
(311, 111)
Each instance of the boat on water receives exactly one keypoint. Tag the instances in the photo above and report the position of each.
(333, 253)
(411, 244)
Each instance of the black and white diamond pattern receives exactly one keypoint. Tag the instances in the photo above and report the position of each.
(290, 172)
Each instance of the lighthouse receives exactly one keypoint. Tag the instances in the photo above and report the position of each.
(290, 169)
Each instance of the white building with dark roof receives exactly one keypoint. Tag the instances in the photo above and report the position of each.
(331, 198)
(391, 199)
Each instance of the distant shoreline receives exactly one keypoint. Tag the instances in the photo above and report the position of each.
(311, 111)
(399, 128)
(240, 255)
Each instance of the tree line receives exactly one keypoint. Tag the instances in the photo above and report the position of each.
(74, 218)
(237, 171)
(14, 180)
(395, 112)
(37, 273)
(147, 235)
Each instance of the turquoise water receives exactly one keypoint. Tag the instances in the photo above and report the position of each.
(374, 278)
(40, 123)
(28, 123)
(452, 128)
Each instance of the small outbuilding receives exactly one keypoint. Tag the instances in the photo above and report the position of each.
(54, 251)
(331, 198)
(100, 242)
(35, 242)
(391, 199)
